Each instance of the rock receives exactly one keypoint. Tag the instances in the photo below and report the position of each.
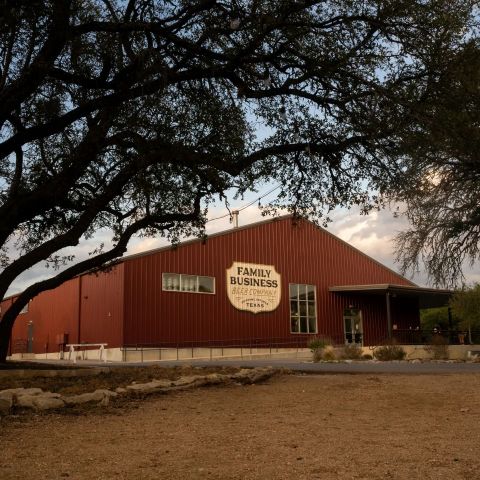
(121, 390)
(83, 398)
(25, 397)
(25, 401)
(96, 396)
(5, 405)
(22, 391)
(253, 375)
(154, 385)
(243, 373)
(47, 403)
(51, 395)
(8, 396)
(216, 378)
(163, 382)
(39, 401)
(183, 381)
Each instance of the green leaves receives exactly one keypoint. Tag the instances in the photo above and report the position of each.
(465, 305)
(131, 117)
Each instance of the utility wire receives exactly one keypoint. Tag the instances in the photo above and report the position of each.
(245, 206)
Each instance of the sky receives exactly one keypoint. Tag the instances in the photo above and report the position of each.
(372, 234)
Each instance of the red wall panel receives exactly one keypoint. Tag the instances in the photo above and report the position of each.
(300, 252)
(52, 313)
(101, 312)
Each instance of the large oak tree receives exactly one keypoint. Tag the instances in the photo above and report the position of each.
(441, 181)
(132, 116)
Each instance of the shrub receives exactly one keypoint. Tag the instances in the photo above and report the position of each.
(352, 351)
(389, 352)
(317, 354)
(328, 354)
(317, 346)
(319, 343)
(367, 356)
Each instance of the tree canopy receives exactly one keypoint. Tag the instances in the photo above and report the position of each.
(132, 116)
(435, 317)
(441, 185)
(465, 305)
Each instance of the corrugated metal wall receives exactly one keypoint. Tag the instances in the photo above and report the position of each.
(102, 307)
(300, 252)
(55, 312)
(52, 313)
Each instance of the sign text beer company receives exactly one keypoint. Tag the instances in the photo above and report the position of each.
(254, 288)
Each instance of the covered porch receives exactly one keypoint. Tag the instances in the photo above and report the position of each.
(390, 296)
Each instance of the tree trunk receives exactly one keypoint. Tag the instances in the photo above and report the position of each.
(6, 326)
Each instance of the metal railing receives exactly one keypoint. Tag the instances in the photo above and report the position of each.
(218, 348)
(300, 342)
(405, 337)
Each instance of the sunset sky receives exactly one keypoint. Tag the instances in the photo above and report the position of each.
(372, 234)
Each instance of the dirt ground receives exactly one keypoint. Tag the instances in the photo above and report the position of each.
(293, 427)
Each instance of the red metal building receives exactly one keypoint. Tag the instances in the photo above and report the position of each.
(280, 282)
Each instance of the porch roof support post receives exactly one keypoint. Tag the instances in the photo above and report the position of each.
(389, 315)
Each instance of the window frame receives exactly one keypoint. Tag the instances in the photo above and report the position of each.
(180, 283)
(306, 303)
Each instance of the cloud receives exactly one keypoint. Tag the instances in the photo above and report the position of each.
(248, 215)
(144, 244)
(372, 234)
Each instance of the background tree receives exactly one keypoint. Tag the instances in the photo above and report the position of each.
(132, 116)
(465, 305)
(436, 317)
(441, 185)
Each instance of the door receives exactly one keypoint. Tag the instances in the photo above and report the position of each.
(352, 319)
(30, 337)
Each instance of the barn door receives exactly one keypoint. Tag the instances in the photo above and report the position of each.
(30, 337)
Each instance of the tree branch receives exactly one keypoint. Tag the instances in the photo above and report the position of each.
(161, 222)
(12, 96)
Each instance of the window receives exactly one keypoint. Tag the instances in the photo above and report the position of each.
(187, 283)
(303, 310)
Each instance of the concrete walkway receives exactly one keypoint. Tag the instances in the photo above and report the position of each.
(368, 367)
(344, 367)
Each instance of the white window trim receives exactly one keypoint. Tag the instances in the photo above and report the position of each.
(196, 292)
(290, 310)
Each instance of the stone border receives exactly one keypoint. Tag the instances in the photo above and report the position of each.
(38, 400)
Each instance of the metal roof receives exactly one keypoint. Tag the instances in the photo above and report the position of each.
(428, 297)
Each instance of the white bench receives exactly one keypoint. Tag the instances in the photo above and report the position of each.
(101, 348)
